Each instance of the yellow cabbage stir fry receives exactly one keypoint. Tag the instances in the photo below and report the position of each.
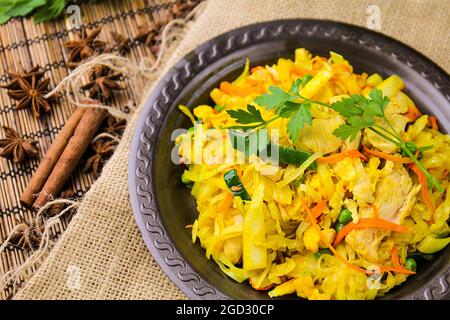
(359, 196)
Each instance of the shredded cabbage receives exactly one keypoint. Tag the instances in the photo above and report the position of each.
(270, 241)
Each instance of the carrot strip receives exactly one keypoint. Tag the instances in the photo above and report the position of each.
(365, 223)
(231, 89)
(413, 113)
(397, 265)
(318, 208)
(341, 156)
(387, 156)
(312, 221)
(426, 196)
(225, 203)
(432, 122)
(394, 257)
(396, 269)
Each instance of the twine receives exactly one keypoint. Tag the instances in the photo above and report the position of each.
(15, 275)
(145, 72)
(105, 135)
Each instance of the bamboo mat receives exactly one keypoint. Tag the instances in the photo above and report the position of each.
(24, 43)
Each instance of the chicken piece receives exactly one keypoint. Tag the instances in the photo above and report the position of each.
(398, 121)
(408, 204)
(392, 192)
(362, 189)
(319, 136)
(365, 242)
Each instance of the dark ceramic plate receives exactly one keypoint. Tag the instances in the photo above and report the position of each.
(163, 206)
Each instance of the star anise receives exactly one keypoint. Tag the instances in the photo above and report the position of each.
(57, 208)
(85, 46)
(15, 147)
(180, 9)
(102, 151)
(31, 93)
(147, 33)
(103, 81)
(114, 126)
(122, 42)
(23, 74)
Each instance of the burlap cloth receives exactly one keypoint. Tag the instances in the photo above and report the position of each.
(103, 242)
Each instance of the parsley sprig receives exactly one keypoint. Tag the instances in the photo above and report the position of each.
(284, 104)
(360, 113)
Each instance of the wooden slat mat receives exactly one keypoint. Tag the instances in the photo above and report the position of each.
(24, 43)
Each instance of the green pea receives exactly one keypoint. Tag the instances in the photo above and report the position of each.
(411, 264)
(345, 216)
(411, 147)
(219, 108)
(184, 179)
(339, 226)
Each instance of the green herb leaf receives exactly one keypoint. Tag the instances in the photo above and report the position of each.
(377, 96)
(24, 7)
(251, 115)
(276, 98)
(45, 9)
(49, 12)
(301, 118)
(360, 112)
(300, 83)
(354, 126)
(352, 106)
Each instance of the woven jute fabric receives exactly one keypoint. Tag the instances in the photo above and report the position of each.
(103, 243)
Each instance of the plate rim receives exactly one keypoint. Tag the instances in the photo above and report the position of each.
(157, 240)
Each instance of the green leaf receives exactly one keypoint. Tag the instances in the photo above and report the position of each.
(373, 108)
(377, 96)
(299, 83)
(348, 107)
(4, 18)
(287, 109)
(46, 13)
(251, 115)
(5, 6)
(301, 118)
(351, 130)
(274, 99)
(24, 7)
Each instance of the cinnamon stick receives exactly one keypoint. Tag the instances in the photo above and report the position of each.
(51, 157)
(84, 133)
